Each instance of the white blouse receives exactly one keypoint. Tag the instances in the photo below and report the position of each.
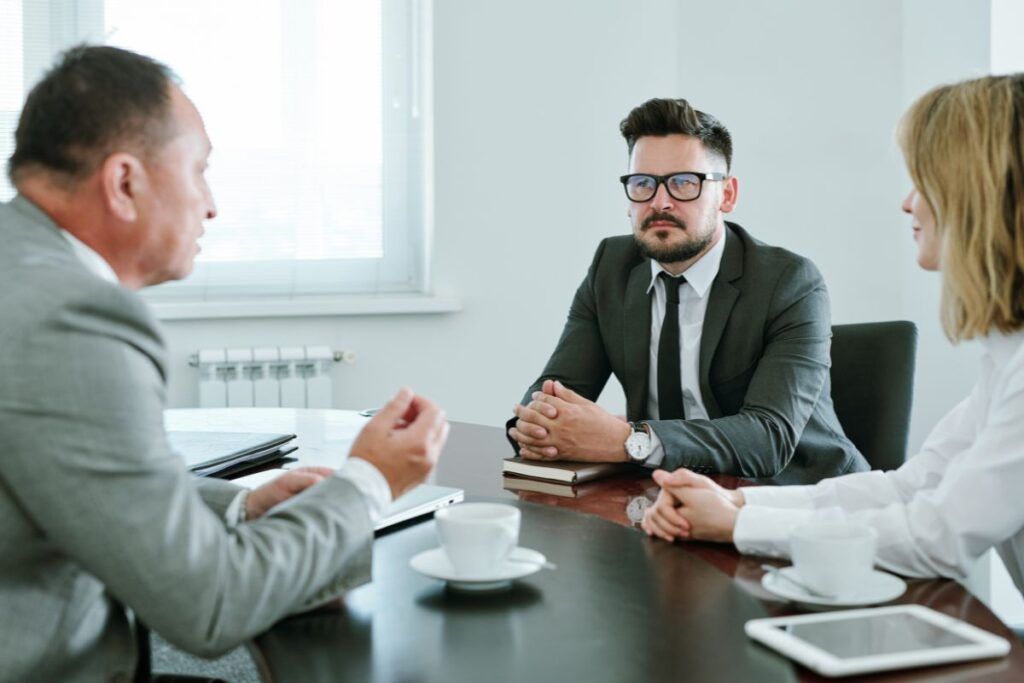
(943, 509)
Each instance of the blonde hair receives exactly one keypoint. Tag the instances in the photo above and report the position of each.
(963, 148)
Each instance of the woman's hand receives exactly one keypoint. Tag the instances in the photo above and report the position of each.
(692, 507)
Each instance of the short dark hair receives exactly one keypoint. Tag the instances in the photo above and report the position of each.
(676, 117)
(95, 99)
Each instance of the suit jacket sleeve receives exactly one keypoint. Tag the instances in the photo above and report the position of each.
(217, 493)
(579, 360)
(87, 460)
(784, 388)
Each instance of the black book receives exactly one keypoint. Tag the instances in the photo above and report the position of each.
(209, 454)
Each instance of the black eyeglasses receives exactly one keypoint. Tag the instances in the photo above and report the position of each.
(684, 186)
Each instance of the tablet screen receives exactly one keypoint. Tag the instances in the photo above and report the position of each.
(879, 634)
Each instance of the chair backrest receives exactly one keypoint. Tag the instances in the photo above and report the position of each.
(873, 387)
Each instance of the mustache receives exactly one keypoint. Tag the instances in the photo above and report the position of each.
(660, 216)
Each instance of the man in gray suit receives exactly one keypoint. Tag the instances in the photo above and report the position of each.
(97, 515)
(720, 342)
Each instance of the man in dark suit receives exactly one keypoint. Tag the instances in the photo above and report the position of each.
(720, 342)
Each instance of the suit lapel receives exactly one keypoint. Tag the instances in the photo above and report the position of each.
(723, 297)
(637, 339)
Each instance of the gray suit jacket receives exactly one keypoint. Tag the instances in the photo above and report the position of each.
(764, 361)
(96, 512)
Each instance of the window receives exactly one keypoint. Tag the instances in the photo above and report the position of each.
(318, 112)
(12, 83)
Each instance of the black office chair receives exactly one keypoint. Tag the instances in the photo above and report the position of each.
(873, 387)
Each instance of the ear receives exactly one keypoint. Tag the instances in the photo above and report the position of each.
(123, 179)
(730, 193)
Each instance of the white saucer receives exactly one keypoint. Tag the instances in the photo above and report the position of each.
(880, 587)
(521, 562)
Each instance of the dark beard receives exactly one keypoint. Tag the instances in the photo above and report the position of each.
(673, 254)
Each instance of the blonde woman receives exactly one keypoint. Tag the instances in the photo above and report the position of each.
(962, 494)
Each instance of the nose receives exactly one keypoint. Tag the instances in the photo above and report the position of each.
(662, 200)
(211, 206)
(908, 202)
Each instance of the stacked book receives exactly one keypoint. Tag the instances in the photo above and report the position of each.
(557, 477)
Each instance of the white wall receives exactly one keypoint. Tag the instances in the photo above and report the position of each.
(942, 42)
(528, 97)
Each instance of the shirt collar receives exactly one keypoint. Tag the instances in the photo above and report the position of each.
(701, 274)
(92, 261)
(1002, 348)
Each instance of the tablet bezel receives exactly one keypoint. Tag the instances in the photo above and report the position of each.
(984, 645)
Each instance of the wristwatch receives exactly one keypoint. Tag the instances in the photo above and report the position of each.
(636, 507)
(638, 445)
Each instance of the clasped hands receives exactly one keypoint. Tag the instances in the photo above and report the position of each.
(691, 506)
(559, 424)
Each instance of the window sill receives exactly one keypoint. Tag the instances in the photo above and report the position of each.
(310, 305)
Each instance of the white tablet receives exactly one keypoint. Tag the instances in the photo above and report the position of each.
(865, 640)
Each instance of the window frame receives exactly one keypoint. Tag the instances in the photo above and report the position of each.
(407, 178)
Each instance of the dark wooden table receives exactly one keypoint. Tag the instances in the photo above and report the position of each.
(642, 610)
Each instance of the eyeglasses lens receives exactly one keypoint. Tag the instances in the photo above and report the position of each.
(682, 186)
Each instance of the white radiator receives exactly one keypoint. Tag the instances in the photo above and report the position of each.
(269, 376)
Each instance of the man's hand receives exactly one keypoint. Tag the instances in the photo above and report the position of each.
(536, 420)
(692, 506)
(560, 424)
(403, 440)
(281, 489)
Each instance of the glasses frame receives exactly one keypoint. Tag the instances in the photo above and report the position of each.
(662, 180)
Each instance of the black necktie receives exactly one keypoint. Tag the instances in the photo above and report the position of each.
(670, 382)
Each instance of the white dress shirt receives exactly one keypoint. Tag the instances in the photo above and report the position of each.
(943, 509)
(693, 304)
(367, 479)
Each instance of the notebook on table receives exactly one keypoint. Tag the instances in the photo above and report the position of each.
(218, 454)
(563, 470)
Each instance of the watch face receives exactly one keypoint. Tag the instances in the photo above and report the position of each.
(638, 445)
(636, 508)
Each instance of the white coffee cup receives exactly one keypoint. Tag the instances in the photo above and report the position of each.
(477, 537)
(833, 558)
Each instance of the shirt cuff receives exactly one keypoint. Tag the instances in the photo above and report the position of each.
(657, 450)
(789, 497)
(370, 482)
(765, 530)
(235, 514)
